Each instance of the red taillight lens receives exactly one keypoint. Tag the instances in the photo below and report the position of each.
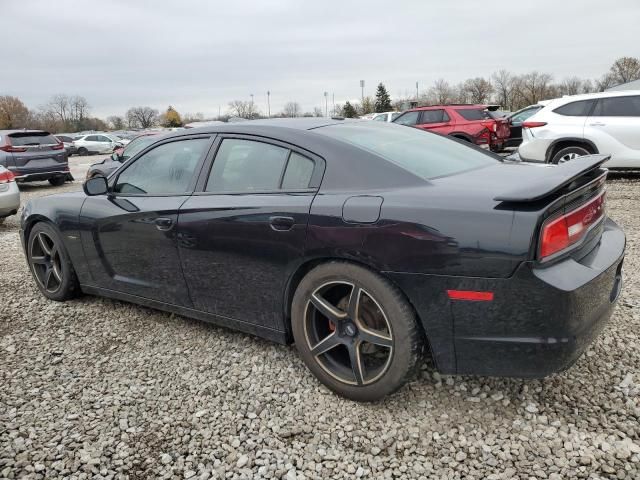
(58, 146)
(562, 232)
(6, 177)
(533, 124)
(12, 149)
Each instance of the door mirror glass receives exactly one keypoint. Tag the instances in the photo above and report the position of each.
(96, 186)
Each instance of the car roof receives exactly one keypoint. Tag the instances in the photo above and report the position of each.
(265, 125)
(454, 106)
(588, 96)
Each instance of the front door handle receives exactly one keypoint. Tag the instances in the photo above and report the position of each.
(164, 224)
(281, 224)
(597, 124)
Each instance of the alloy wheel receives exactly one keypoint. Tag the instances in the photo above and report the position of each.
(568, 157)
(46, 262)
(348, 333)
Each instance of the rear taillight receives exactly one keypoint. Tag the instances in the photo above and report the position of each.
(483, 138)
(57, 146)
(559, 233)
(533, 124)
(12, 149)
(6, 177)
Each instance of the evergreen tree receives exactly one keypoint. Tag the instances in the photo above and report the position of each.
(349, 111)
(383, 100)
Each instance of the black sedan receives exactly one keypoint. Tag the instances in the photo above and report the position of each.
(365, 243)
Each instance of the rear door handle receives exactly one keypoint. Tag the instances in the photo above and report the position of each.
(281, 224)
(163, 224)
(597, 124)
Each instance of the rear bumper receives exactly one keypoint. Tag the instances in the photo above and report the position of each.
(540, 320)
(38, 174)
(9, 199)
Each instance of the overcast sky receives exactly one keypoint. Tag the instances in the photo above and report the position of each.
(199, 55)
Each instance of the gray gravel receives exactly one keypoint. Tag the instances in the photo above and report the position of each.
(101, 389)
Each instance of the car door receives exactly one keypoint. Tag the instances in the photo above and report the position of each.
(129, 235)
(615, 126)
(435, 120)
(242, 234)
(106, 145)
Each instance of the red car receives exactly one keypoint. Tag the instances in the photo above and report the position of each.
(472, 123)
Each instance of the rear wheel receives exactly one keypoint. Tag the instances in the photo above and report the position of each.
(50, 263)
(355, 331)
(569, 153)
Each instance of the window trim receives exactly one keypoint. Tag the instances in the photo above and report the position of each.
(314, 183)
(113, 181)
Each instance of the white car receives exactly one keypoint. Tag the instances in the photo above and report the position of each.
(569, 127)
(96, 143)
(386, 116)
(9, 194)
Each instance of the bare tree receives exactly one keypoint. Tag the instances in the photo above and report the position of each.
(143, 117)
(317, 112)
(59, 106)
(534, 86)
(503, 83)
(606, 81)
(13, 113)
(440, 93)
(243, 109)
(571, 86)
(78, 109)
(625, 69)
(479, 89)
(292, 109)
(116, 122)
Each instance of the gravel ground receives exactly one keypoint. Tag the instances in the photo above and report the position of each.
(95, 388)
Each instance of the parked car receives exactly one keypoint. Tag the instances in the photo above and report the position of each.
(96, 143)
(516, 119)
(69, 146)
(569, 127)
(386, 116)
(110, 164)
(470, 123)
(9, 194)
(362, 242)
(33, 155)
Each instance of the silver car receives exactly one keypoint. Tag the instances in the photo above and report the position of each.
(96, 143)
(9, 194)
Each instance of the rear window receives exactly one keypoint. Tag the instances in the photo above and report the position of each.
(473, 114)
(575, 109)
(62, 138)
(424, 154)
(27, 139)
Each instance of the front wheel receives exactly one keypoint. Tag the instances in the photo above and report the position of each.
(50, 263)
(569, 153)
(355, 331)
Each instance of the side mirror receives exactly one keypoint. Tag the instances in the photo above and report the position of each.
(96, 186)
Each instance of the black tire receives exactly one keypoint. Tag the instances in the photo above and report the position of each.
(51, 261)
(83, 151)
(396, 361)
(567, 154)
(57, 181)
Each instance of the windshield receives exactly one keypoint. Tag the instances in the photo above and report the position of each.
(137, 145)
(425, 154)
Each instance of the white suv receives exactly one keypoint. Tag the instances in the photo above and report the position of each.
(569, 127)
(96, 143)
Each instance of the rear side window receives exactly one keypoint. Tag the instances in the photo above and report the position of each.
(434, 116)
(32, 139)
(91, 138)
(63, 138)
(408, 118)
(424, 154)
(471, 114)
(628, 106)
(297, 176)
(575, 109)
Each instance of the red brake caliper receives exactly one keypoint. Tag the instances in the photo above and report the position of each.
(332, 326)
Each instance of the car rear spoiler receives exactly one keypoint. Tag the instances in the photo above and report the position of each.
(556, 177)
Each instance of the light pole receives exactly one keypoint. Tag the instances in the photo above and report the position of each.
(362, 89)
(333, 102)
(417, 91)
(326, 104)
(268, 104)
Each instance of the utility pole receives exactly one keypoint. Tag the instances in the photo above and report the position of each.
(268, 104)
(326, 105)
(362, 89)
(333, 101)
(417, 91)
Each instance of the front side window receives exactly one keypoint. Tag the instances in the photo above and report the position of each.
(575, 109)
(408, 118)
(166, 170)
(627, 106)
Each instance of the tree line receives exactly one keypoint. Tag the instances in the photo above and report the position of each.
(72, 113)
